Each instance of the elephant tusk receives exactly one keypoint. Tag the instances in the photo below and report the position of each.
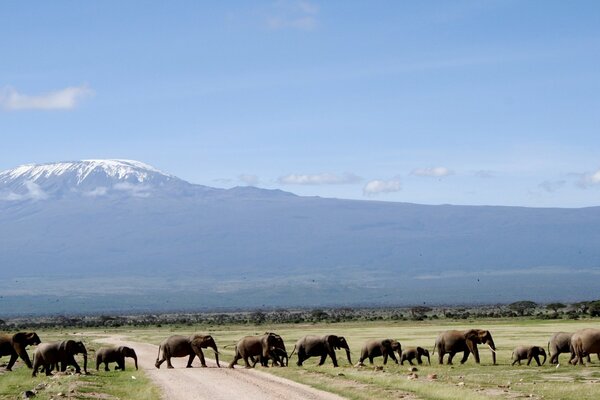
(491, 348)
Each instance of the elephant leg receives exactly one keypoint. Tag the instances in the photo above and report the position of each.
(465, 356)
(236, 358)
(190, 359)
(419, 361)
(200, 355)
(301, 357)
(333, 358)
(370, 359)
(410, 361)
(169, 365)
(537, 360)
(441, 357)
(106, 366)
(514, 362)
(323, 358)
(247, 363)
(48, 368)
(11, 362)
(385, 357)
(450, 357)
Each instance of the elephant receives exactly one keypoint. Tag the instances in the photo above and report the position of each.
(322, 346)
(378, 348)
(560, 342)
(277, 353)
(15, 346)
(453, 342)
(528, 353)
(585, 342)
(415, 352)
(115, 354)
(181, 346)
(265, 347)
(48, 355)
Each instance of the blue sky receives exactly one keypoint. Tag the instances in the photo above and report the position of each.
(460, 102)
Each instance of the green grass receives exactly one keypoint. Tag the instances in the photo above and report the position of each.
(104, 385)
(465, 382)
(468, 381)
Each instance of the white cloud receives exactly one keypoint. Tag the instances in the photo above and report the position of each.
(293, 15)
(134, 190)
(34, 192)
(485, 174)
(249, 179)
(436, 172)
(64, 99)
(381, 186)
(99, 191)
(319, 179)
(589, 179)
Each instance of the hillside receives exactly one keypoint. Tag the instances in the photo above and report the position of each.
(120, 235)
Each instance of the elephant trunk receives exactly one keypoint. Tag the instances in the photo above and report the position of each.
(85, 362)
(492, 347)
(544, 354)
(216, 355)
(348, 355)
(134, 356)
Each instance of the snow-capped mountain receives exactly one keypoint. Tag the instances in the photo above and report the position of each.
(114, 235)
(86, 177)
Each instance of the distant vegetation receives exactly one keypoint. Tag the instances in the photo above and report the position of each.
(519, 309)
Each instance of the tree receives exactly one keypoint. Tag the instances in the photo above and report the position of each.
(522, 307)
(594, 308)
(418, 312)
(555, 307)
(582, 307)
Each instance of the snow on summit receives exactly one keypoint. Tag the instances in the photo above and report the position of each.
(88, 177)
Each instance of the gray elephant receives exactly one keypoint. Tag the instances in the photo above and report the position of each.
(560, 342)
(528, 353)
(411, 353)
(378, 348)
(452, 342)
(264, 347)
(182, 346)
(16, 346)
(321, 346)
(117, 355)
(277, 353)
(585, 342)
(49, 355)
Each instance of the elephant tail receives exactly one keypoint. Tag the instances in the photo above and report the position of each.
(434, 347)
(292, 353)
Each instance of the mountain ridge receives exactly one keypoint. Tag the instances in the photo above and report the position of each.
(186, 244)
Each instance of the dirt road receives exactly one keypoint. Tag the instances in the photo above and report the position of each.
(214, 383)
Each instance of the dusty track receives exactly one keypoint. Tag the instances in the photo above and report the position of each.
(214, 383)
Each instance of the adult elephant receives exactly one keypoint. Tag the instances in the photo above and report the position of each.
(378, 348)
(585, 342)
(415, 352)
(182, 346)
(559, 343)
(277, 353)
(452, 342)
(48, 355)
(117, 355)
(267, 346)
(16, 346)
(321, 346)
(528, 353)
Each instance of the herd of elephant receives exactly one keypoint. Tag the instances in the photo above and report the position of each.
(270, 347)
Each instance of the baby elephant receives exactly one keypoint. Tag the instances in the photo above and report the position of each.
(115, 354)
(378, 348)
(528, 352)
(415, 352)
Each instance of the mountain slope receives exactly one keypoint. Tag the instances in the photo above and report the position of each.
(187, 246)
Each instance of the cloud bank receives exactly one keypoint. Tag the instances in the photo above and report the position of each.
(64, 99)
(319, 179)
(378, 186)
(435, 172)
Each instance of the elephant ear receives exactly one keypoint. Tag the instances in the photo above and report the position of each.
(386, 343)
(332, 341)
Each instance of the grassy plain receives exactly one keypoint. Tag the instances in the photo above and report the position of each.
(465, 382)
(96, 385)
